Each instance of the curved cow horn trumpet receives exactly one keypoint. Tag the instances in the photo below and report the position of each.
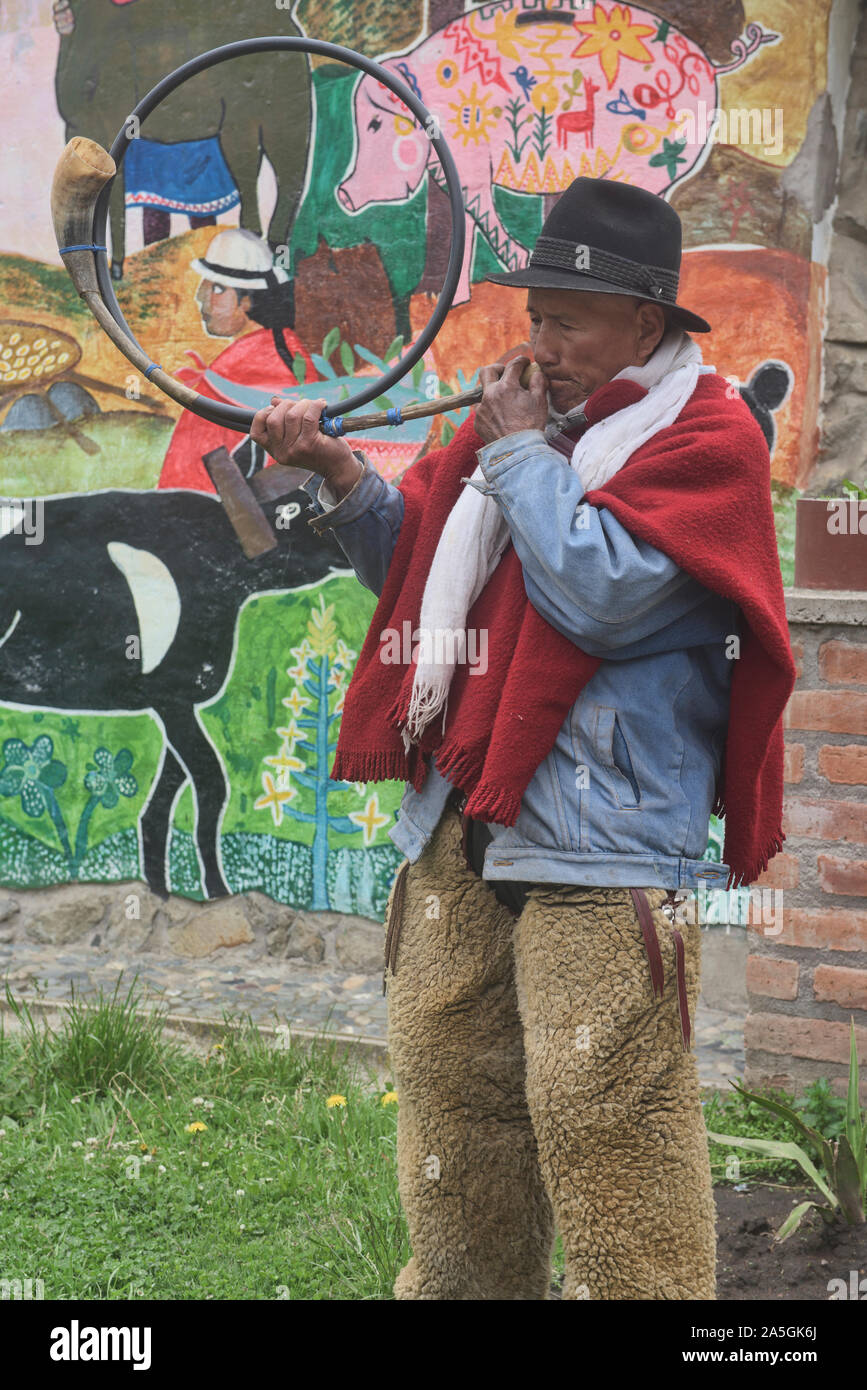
(83, 170)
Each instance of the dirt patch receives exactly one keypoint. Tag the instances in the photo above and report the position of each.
(751, 1265)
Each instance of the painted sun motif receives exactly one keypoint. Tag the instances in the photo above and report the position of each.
(473, 118)
(613, 36)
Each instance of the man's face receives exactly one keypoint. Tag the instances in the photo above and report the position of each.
(223, 310)
(582, 339)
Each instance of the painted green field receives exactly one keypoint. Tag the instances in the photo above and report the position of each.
(72, 786)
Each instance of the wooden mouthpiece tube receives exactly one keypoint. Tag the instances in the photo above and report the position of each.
(420, 409)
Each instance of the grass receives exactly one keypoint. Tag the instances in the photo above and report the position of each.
(784, 499)
(106, 1194)
(735, 1114)
(132, 1168)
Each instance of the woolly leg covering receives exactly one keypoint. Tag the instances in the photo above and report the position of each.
(479, 1218)
(614, 1098)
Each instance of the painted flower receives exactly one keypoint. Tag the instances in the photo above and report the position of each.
(370, 820)
(670, 156)
(109, 777)
(31, 773)
(390, 1098)
(332, 1101)
(613, 36)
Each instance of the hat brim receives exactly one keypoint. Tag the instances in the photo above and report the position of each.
(539, 278)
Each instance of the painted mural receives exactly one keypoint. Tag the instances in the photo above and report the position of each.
(168, 708)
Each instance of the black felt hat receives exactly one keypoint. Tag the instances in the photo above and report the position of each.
(611, 238)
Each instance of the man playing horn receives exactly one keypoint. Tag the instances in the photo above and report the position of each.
(609, 529)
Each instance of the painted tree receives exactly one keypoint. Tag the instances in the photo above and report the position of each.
(300, 788)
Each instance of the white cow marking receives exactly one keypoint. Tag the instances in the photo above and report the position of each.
(156, 598)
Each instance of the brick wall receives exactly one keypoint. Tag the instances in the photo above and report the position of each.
(806, 980)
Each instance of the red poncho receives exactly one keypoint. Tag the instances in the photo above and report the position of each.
(699, 491)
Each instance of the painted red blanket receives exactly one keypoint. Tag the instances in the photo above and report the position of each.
(700, 492)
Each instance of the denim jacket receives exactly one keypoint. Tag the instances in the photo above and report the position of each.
(624, 797)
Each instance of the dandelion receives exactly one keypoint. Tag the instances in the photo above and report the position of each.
(161, 1168)
(332, 1101)
(143, 1148)
(239, 1192)
(390, 1098)
(77, 1144)
(208, 1104)
(146, 1158)
(91, 1142)
(198, 1100)
(195, 1128)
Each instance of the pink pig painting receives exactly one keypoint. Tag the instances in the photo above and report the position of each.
(528, 100)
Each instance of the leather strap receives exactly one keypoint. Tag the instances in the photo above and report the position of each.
(565, 442)
(683, 1004)
(465, 840)
(654, 957)
(651, 941)
(395, 919)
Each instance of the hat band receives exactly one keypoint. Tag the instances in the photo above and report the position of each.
(576, 256)
(234, 270)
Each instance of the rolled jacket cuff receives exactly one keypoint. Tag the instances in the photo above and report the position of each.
(498, 457)
(359, 499)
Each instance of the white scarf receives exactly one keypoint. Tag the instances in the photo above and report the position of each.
(476, 533)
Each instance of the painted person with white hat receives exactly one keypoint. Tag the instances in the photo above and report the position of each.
(244, 296)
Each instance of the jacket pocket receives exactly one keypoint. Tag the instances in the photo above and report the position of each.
(613, 753)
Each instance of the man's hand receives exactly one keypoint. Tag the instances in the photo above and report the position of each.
(289, 431)
(505, 406)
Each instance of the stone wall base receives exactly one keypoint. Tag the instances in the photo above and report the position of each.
(118, 917)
